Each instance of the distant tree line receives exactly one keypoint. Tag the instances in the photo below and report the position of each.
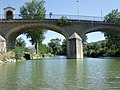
(100, 49)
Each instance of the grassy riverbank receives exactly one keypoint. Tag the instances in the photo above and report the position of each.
(10, 56)
(7, 57)
(4, 56)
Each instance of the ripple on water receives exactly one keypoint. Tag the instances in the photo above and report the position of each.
(61, 74)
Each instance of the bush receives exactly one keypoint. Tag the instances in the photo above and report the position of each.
(19, 52)
(63, 21)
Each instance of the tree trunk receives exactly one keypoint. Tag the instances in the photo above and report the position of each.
(37, 47)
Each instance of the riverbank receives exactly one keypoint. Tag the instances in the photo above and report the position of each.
(8, 61)
(7, 57)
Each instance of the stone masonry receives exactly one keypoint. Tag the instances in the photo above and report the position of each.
(10, 29)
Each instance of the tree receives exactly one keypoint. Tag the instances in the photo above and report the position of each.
(95, 49)
(113, 17)
(112, 41)
(43, 50)
(19, 48)
(34, 10)
(19, 52)
(20, 42)
(63, 21)
(64, 45)
(55, 46)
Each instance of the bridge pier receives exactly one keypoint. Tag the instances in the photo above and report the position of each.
(75, 47)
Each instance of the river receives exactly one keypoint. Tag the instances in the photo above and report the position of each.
(59, 73)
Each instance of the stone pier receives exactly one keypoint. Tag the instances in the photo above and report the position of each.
(75, 47)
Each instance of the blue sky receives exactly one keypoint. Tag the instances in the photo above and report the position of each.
(70, 7)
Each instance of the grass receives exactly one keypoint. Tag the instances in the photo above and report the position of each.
(4, 56)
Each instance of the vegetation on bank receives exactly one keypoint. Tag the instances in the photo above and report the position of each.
(16, 54)
(100, 49)
(5, 56)
(111, 45)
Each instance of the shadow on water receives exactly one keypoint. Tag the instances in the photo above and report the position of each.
(51, 58)
(57, 58)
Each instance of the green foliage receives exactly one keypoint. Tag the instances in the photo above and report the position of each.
(37, 37)
(64, 49)
(55, 46)
(112, 41)
(43, 50)
(20, 42)
(95, 49)
(19, 49)
(113, 17)
(19, 52)
(100, 48)
(63, 21)
(34, 10)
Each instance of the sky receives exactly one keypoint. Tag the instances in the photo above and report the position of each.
(70, 7)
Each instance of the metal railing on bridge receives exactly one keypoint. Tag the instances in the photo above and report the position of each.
(58, 16)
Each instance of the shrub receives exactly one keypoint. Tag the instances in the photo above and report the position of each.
(19, 52)
(63, 21)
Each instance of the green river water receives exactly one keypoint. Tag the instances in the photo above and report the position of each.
(59, 73)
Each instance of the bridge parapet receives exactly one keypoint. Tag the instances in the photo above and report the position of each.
(58, 16)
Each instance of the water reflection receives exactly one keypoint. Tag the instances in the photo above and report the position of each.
(80, 74)
(58, 73)
(94, 74)
(54, 73)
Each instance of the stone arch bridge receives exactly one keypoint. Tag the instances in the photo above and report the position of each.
(74, 32)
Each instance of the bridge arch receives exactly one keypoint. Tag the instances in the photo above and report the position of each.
(16, 31)
(108, 29)
(13, 33)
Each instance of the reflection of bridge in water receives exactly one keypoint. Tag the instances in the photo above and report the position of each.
(73, 32)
